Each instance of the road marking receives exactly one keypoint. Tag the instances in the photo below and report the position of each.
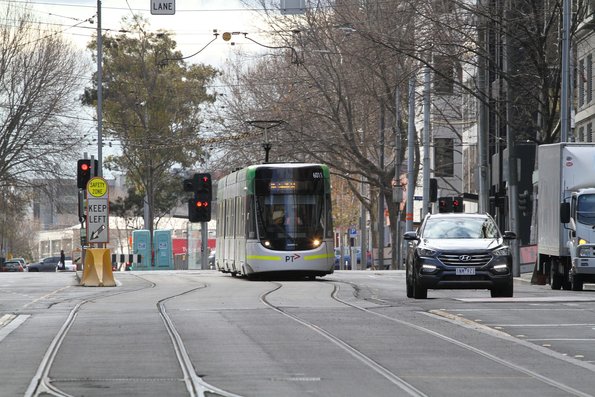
(10, 322)
(567, 298)
(46, 296)
(563, 339)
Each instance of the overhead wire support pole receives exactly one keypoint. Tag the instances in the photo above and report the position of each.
(426, 143)
(565, 89)
(99, 171)
(410, 157)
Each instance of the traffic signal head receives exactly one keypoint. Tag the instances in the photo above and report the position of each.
(445, 204)
(457, 204)
(83, 172)
(524, 201)
(433, 190)
(199, 208)
(203, 185)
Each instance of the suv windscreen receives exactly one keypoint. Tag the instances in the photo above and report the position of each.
(473, 228)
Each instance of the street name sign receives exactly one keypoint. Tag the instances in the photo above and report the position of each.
(163, 7)
(97, 211)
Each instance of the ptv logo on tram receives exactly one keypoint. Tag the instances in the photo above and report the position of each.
(292, 258)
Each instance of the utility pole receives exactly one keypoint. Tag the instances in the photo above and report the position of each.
(565, 89)
(482, 128)
(410, 157)
(397, 190)
(426, 143)
(363, 216)
(99, 171)
(381, 193)
(512, 176)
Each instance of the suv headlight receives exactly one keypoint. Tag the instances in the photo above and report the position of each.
(582, 241)
(502, 251)
(425, 252)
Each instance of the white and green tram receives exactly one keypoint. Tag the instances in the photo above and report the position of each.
(275, 219)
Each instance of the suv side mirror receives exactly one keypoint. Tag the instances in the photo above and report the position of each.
(410, 236)
(508, 235)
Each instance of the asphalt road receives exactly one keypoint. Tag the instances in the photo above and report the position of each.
(353, 333)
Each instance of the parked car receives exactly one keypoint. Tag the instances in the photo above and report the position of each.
(68, 266)
(11, 266)
(458, 251)
(22, 261)
(47, 264)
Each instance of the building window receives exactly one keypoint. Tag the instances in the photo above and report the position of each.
(581, 134)
(444, 157)
(443, 75)
(589, 132)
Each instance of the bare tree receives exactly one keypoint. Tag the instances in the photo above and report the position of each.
(40, 73)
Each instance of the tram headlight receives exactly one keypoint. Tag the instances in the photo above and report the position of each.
(266, 243)
(316, 243)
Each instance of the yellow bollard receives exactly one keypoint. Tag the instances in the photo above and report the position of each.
(97, 271)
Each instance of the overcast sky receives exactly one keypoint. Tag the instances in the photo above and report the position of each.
(193, 22)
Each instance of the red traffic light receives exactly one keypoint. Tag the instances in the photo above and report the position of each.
(85, 167)
(202, 203)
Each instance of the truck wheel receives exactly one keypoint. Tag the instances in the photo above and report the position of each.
(555, 280)
(576, 283)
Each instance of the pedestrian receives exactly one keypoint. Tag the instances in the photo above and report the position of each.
(62, 263)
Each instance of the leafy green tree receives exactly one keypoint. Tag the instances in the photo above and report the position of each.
(152, 105)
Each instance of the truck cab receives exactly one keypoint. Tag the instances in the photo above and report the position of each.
(578, 215)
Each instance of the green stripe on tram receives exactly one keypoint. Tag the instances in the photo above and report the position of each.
(264, 257)
(321, 256)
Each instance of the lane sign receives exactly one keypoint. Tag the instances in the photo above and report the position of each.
(163, 7)
(97, 211)
(97, 220)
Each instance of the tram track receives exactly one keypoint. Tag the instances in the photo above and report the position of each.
(41, 384)
(407, 387)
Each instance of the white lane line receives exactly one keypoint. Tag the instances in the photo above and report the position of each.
(46, 296)
(531, 299)
(563, 339)
(14, 323)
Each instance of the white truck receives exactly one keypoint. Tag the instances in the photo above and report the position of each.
(566, 214)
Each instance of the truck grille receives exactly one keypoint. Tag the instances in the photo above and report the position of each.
(462, 259)
(586, 251)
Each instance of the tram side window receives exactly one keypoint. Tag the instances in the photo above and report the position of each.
(250, 218)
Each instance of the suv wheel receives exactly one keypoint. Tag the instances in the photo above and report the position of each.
(419, 292)
(503, 292)
(408, 283)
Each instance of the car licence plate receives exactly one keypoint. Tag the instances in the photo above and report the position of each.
(465, 271)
